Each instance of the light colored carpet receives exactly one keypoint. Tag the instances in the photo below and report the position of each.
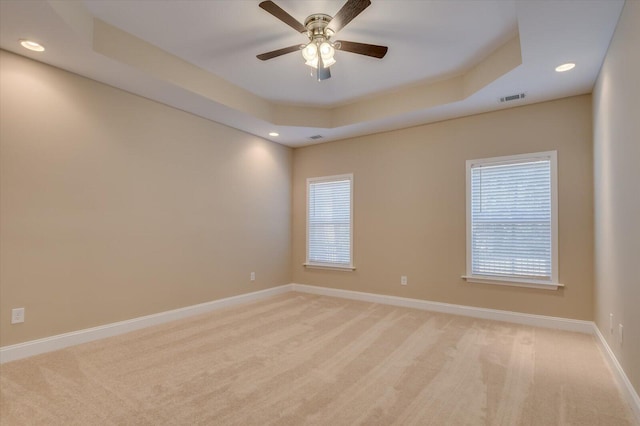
(301, 359)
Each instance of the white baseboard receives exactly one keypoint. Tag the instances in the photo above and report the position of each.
(447, 308)
(624, 383)
(60, 341)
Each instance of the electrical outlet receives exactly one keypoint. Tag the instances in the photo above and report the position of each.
(610, 323)
(620, 333)
(17, 315)
(403, 280)
(253, 276)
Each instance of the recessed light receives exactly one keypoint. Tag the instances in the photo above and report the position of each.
(32, 45)
(565, 67)
(274, 134)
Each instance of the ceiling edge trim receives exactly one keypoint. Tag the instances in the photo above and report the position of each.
(499, 62)
(133, 51)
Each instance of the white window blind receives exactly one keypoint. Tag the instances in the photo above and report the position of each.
(512, 217)
(329, 221)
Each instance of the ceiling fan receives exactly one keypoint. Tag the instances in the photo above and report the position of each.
(320, 28)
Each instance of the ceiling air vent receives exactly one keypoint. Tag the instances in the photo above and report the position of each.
(315, 137)
(512, 97)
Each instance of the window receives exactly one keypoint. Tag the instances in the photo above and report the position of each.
(512, 224)
(329, 222)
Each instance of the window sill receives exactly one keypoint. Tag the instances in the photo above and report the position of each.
(514, 282)
(329, 266)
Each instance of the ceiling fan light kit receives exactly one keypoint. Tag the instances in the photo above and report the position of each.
(319, 52)
(319, 46)
(311, 57)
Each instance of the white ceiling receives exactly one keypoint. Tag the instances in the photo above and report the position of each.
(225, 41)
(430, 42)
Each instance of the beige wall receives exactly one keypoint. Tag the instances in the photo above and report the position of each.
(616, 113)
(114, 206)
(409, 206)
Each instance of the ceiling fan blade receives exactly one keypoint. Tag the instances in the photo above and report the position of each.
(323, 72)
(279, 13)
(350, 10)
(362, 48)
(279, 52)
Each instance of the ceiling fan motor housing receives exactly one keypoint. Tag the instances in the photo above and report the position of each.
(316, 25)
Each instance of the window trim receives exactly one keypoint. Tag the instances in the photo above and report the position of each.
(334, 266)
(553, 283)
